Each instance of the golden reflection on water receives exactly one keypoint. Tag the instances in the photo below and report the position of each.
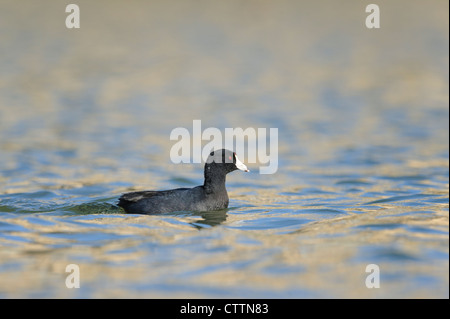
(363, 118)
(310, 257)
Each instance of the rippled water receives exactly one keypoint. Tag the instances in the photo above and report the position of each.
(86, 115)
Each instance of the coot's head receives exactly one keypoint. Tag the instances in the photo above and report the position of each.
(224, 160)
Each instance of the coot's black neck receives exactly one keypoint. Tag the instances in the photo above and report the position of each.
(214, 179)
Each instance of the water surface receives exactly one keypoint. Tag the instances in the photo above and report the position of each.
(86, 115)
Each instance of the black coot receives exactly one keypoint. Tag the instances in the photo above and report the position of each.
(212, 195)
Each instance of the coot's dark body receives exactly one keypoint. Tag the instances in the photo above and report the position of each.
(212, 195)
